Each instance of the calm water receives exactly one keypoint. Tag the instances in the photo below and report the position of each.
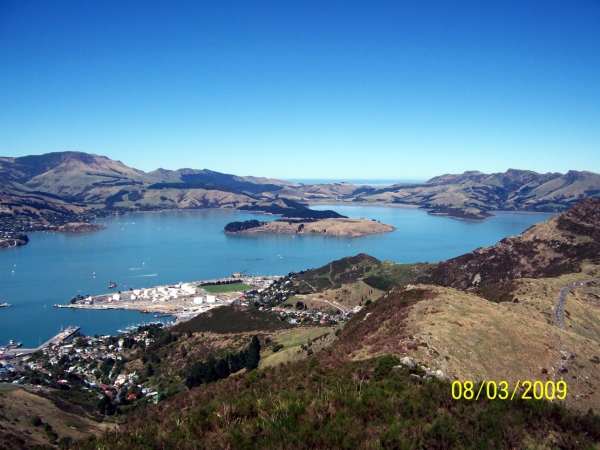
(148, 249)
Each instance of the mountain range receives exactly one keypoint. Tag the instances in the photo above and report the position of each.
(54, 188)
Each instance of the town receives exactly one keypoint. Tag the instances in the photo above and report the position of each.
(96, 366)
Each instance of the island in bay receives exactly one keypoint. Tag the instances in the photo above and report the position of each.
(342, 227)
(299, 219)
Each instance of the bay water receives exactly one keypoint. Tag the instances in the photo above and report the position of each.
(148, 249)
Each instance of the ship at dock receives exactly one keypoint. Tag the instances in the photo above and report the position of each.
(12, 345)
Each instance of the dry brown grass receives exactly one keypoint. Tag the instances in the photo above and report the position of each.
(470, 338)
(326, 227)
(293, 341)
(18, 407)
(350, 295)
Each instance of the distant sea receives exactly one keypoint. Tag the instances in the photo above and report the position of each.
(148, 249)
(357, 182)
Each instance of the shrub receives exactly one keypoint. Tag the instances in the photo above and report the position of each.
(277, 347)
(36, 421)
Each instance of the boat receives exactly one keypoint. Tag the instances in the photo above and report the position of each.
(162, 315)
(5, 305)
(112, 285)
(13, 345)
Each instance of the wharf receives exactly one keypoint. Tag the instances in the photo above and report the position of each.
(64, 334)
(180, 300)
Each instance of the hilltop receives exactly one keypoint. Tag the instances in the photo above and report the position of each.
(473, 195)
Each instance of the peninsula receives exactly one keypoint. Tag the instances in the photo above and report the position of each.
(341, 227)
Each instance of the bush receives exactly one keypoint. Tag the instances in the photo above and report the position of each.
(384, 366)
(277, 347)
(36, 421)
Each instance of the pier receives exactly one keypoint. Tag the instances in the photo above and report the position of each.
(64, 334)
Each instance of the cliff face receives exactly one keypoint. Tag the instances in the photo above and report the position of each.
(548, 249)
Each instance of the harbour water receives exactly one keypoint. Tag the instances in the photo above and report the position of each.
(148, 249)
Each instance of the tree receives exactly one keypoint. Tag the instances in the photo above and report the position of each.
(237, 361)
(196, 377)
(253, 355)
(222, 369)
(210, 370)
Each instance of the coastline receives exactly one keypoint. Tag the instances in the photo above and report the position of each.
(183, 301)
(334, 203)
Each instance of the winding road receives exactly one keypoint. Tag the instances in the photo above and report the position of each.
(562, 298)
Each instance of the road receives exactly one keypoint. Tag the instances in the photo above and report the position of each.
(562, 298)
(340, 307)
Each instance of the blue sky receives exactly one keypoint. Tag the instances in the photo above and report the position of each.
(349, 89)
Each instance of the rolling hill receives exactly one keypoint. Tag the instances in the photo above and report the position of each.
(72, 181)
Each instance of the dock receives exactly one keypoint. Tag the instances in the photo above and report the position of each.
(64, 334)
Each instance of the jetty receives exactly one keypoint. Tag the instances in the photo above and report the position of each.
(64, 334)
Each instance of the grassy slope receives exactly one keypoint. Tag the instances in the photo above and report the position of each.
(292, 342)
(325, 402)
(468, 337)
(377, 274)
(548, 249)
(232, 320)
(18, 406)
(227, 288)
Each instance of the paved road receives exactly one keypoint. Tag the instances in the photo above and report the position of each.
(562, 298)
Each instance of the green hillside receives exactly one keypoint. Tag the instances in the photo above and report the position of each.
(232, 319)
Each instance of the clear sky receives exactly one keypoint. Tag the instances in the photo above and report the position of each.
(305, 89)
